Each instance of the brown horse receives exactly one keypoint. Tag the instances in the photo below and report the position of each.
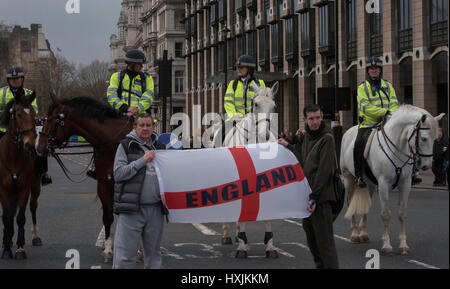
(103, 128)
(18, 174)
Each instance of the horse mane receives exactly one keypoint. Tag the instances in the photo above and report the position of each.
(405, 112)
(88, 107)
(264, 97)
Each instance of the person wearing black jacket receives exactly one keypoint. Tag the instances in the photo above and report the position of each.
(440, 148)
(315, 150)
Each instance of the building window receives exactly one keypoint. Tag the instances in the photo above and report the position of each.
(263, 55)
(179, 81)
(252, 44)
(308, 33)
(162, 22)
(231, 52)
(351, 30)
(178, 49)
(376, 30)
(25, 46)
(292, 39)
(277, 43)
(179, 16)
(439, 24)
(240, 45)
(405, 25)
(326, 29)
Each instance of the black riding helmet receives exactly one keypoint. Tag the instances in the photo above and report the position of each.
(135, 57)
(247, 61)
(15, 72)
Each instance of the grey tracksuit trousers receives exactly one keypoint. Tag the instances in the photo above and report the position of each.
(146, 225)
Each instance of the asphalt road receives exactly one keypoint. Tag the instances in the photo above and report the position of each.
(69, 217)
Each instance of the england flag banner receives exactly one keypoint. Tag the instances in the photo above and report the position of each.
(231, 184)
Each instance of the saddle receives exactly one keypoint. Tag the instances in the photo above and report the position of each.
(367, 141)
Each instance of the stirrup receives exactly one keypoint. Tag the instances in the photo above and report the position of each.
(92, 174)
(46, 180)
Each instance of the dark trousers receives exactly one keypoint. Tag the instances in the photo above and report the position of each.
(319, 232)
(358, 151)
(438, 171)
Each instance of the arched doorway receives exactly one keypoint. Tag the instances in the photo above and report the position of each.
(440, 81)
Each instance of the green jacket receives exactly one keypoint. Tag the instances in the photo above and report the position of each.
(234, 100)
(373, 104)
(316, 153)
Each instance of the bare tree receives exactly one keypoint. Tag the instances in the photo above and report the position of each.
(92, 79)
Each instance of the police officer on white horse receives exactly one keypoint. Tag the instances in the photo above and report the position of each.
(376, 99)
(240, 92)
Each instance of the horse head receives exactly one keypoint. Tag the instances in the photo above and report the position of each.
(20, 118)
(56, 130)
(263, 107)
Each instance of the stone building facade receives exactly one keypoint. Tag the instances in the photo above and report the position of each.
(30, 49)
(293, 42)
(153, 26)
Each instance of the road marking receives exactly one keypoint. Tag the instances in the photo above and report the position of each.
(422, 264)
(335, 235)
(205, 230)
(297, 244)
(168, 253)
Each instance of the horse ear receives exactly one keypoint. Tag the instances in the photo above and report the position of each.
(439, 117)
(256, 86)
(424, 117)
(275, 88)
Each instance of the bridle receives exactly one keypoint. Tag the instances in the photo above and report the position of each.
(414, 154)
(52, 136)
(17, 135)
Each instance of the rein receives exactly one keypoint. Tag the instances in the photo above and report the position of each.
(52, 145)
(412, 157)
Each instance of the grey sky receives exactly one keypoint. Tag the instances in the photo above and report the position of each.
(82, 37)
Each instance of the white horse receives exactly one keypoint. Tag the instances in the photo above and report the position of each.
(406, 138)
(253, 128)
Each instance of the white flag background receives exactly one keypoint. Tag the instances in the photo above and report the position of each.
(231, 184)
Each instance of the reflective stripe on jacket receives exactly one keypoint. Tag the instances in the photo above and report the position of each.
(234, 100)
(373, 104)
(140, 99)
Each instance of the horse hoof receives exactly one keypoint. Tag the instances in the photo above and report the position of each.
(404, 251)
(139, 257)
(241, 254)
(227, 241)
(20, 255)
(107, 257)
(355, 240)
(364, 239)
(386, 251)
(272, 254)
(7, 254)
(36, 242)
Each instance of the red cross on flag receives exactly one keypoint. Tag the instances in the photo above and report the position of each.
(231, 184)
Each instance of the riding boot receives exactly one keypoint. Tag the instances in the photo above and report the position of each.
(358, 157)
(43, 167)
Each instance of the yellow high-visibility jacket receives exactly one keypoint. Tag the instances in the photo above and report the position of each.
(138, 98)
(373, 104)
(234, 100)
(6, 96)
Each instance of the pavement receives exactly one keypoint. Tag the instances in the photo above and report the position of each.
(427, 182)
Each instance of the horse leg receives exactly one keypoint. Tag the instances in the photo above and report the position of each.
(354, 238)
(348, 184)
(35, 192)
(383, 192)
(8, 232)
(20, 253)
(268, 241)
(363, 236)
(402, 216)
(104, 194)
(241, 252)
(226, 238)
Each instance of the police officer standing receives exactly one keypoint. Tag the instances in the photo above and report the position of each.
(376, 99)
(15, 77)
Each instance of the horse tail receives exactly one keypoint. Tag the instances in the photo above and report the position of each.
(360, 202)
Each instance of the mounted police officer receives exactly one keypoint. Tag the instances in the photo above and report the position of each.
(376, 99)
(240, 91)
(15, 77)
(130, 91)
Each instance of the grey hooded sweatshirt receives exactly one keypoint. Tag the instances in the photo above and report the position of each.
(135, 187)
